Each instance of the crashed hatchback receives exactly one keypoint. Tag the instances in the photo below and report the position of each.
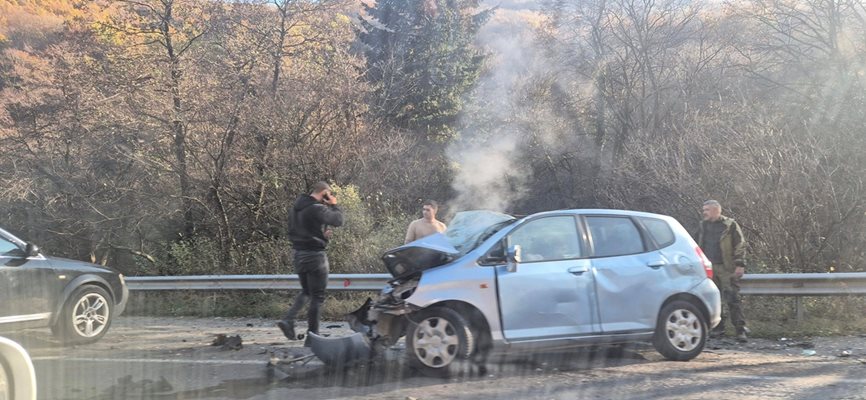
(493, 283)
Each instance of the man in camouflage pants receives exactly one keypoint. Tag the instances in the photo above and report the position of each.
(722, 241)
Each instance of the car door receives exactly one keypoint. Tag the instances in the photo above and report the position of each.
(629, 275)
(23, 292)
(551, 293)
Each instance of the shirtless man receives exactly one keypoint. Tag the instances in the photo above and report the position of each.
(427, 225)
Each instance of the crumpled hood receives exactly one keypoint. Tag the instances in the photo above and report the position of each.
(427, 252)
(436, 242)
(467, 229)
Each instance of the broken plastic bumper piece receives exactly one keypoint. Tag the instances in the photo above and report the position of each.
(341, 350)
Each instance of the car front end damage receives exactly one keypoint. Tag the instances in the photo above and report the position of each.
(378, 324)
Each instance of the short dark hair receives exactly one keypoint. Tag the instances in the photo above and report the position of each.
(714, 203)
(431, 203)
(320, 187)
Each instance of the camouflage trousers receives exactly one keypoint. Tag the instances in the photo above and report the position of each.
(729, 286)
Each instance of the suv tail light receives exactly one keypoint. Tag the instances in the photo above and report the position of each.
(708, 265)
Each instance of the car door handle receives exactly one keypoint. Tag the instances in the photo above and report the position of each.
(577, 270)
(657, 264)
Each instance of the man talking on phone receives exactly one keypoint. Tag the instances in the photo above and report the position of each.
(310, 222)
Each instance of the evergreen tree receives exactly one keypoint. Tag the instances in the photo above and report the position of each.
(421, 60)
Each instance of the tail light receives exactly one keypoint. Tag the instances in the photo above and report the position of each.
(708, 265)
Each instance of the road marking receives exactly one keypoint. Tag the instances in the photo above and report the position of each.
(151, 360)
(786, 378)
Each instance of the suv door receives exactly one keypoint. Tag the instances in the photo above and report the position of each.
(551, 294)
(24, 297)
(630, 277)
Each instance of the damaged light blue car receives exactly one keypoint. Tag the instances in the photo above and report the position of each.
(493, 283)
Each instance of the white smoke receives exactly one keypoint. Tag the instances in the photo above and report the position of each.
(488, 174)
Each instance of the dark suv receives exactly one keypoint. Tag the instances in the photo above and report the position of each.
(76, 299)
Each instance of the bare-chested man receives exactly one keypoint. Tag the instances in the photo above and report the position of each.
(426, 225)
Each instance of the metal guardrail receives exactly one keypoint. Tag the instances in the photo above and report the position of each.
(816, 284)
(253, 282)
(799, 285)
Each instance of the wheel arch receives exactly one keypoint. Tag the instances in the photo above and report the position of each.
(76, 283)
(474, 317)
(694, 300)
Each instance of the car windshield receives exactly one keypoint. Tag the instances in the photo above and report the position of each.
(469, 228)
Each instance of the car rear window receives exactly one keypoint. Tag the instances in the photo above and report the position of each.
(660, 231)
(614, 236)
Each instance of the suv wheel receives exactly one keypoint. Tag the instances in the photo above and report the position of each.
(681, 331)
(439, 342)
(85, 317)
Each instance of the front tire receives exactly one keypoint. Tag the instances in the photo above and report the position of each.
(681, 331)
(439, 342)
(86, 316)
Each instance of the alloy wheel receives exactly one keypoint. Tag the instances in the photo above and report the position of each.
(90, 315)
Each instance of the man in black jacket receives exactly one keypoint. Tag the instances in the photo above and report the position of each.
(309, 231)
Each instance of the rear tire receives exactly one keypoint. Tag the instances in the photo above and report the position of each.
(439, 342)
(86, 316)
(681, 331)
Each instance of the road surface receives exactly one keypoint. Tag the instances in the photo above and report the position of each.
(172, 358)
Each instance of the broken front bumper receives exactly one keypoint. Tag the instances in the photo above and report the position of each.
(377, 324)
(341, 350)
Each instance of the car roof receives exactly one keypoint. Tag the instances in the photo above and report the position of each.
(600, 211)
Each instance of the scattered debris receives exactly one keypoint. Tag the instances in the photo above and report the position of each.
(249, 325)
(302, 359)
(809, 352)
(342, 350)
(219, 340)
(228, 342)
(845, 353)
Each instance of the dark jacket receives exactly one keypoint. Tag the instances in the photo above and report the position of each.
(308, 219)
(732, 243)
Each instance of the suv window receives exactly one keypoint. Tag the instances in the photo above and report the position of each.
(659, 230)
(8, 248)
(547, 239)
(614, 236)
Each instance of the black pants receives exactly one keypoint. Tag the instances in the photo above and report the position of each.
(312, 269)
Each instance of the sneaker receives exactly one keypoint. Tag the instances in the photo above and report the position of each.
(717, 333)
(288, 328)
(742, 337)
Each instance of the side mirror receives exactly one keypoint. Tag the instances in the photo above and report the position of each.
(31, 250)
(512, 258)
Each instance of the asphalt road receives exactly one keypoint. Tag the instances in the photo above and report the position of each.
(172, 358)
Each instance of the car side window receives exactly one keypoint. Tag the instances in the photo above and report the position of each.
(8, 248)
(614, 236)
(659, 230)
(547, 239)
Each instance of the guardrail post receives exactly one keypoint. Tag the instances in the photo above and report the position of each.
(798, 305)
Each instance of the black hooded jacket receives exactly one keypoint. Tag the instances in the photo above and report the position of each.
(307, 221)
